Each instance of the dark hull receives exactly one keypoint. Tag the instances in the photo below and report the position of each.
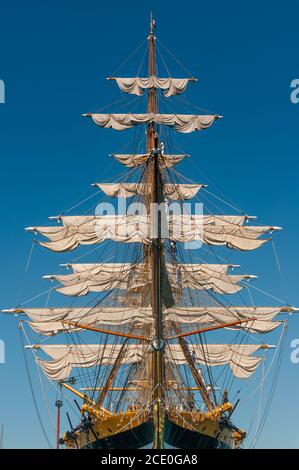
(143, 435)
(180, 438)
(135, 438)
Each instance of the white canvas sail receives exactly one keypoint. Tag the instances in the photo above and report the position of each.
(101, 277)
(179, 122)
(212, 230)
(66, 357)
(135, 160)
(50, 321)
(171, 191)
(137, 85)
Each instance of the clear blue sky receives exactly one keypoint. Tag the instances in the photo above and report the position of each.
(54, 59)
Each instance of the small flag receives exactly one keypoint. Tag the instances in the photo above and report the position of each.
(153, 23)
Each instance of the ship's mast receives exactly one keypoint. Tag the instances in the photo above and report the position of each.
(154, 179)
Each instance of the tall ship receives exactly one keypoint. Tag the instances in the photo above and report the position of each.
(150, 344)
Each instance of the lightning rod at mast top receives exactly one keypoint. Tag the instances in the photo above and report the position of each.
(152, 24)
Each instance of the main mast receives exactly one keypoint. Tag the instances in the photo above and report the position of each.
(155, 254)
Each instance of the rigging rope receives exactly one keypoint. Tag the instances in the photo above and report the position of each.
(30, 255)
(260, 401)
(279, 345)
(32, 390)
(270, 398)
(276, 257)
(175, 58)
(130, 56)
(50, 382)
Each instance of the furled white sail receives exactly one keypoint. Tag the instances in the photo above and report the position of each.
(90, 230)
(112, 316)
(237, 356)
(212, 230)
(83, 269)
(260, 319)
(135, 160)
(65, 357)
(186, 229)
(201, 277)
(171, 191)
(49, 321)
(179, 122)
(136, 85)
(102, 277)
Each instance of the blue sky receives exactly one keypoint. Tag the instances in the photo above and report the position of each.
(54, 59)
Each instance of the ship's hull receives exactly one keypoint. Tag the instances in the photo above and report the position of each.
(136, 438)
(180, 438)
(175, 436)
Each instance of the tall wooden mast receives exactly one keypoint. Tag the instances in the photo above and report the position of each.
(154, 179)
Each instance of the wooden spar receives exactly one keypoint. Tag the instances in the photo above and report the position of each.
(196, 375)
(135, 389)
(76, 392)
(112, 389)
(157, 363)
(191, 79)
(211, 328)
(107, 332)
(112, 374)
(58, 405)
(86, 399)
